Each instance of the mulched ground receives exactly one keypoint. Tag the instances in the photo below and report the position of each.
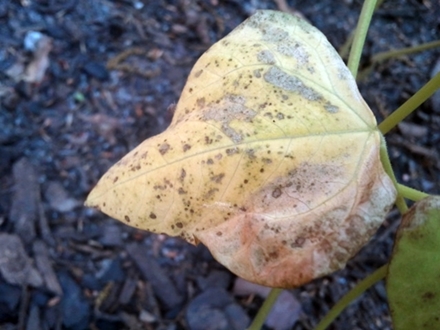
(97, 83)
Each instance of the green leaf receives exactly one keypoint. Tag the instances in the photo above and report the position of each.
(413, 280)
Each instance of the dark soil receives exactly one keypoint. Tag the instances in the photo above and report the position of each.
(114, 68)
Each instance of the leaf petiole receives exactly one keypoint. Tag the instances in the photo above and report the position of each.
(355, 292)
(404, 51)
(411, 193)
(264, 310)
(410, 105)
(360, 35)
(400, 201)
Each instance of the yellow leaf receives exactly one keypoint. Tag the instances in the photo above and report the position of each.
(271, 160)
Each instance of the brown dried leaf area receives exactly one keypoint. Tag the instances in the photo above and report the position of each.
(272, 158)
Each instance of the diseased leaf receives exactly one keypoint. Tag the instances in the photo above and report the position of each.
(414, 273)
(271, 160)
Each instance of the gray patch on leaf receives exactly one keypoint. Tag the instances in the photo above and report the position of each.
(265, 57)
(274, 34)
(331, 108)
(290, 83)
(231, 107)
(294, 50)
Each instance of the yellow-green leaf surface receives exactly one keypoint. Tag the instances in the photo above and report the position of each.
(271, 160)
(413, 280)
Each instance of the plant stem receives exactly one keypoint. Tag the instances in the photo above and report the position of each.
(264, 310)
(410, 105)
(411, 193)
(355, 292)
(404, 51)
(400, 201)
(360, 35)
(345, 48)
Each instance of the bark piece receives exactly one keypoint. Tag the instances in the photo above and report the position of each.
(44, 265)
(25, 209)
(15, 265)
(163, 287)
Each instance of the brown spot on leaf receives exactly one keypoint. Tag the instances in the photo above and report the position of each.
(218, 178)
(163, 149)
(153, 216)
(115, 179)
(127, 218)
(273, 254)
(210, 193)
(179, 225)
(298, 243)
(277, 193)
(186, 147)
(182, 175)
(231, 151)
(201, 102)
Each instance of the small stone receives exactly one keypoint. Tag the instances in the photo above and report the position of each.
(31, 40)
(147, 317)
(237, 317)
(216, 278)
(111, 235)
(216, 308)
(96, 70)
(59, 198)
(74, 307)
(284, 313)
(245, 288)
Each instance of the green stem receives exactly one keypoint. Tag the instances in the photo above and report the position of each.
(259, 319)
(400, 201)
(411, 193)
(345, 48)
(360, 288)
(404, 51)
(410, 105)
(360, 35)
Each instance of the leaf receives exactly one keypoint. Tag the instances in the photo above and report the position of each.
(414, 271)
(271, 160)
